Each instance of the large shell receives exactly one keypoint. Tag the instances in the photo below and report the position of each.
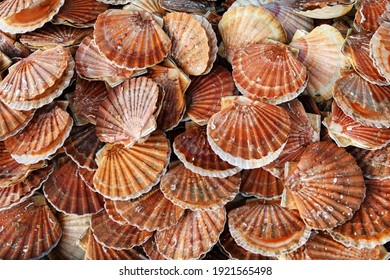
(43, 135)
(248, 134)
(379, 46)
(195, 234)
(193, 191)
(126, 115)
(38, 79)
(367, 14)
(323, 9)
(151, 211)
(243, 26)
(125, 173)
(269, 72)
(251, 227)
(29, 230)
(327, 186)
(131, 39)
(374, 164)
(320, 52)
(12, 121)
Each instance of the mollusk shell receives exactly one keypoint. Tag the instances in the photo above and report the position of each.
(12, 121)
(380, 51)
(368, 13)
(323, 9)
(374, 164)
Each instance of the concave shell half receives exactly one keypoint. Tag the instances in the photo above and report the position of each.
(10, 7)
(320, 52)
(322, 9)
(251, 227)
(370, 225)
(12, 121)
(29, 230)
(131, 39)
(368, 13)
(380, 50)
(374, 164)
(43, 135)
(326, 186)
(269, 72)
(115, 2)
(37, 79)
(195, 234)
(192, 191)
(151, 6)
(248, 134)
(126, 115)
(125, 173)
(151, 211)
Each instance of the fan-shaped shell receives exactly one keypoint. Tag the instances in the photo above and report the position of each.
(28, 230)
(248, 134)
(5, 62)
(125, 173)
(380, 51)
(367, 14)
(126, 115)
(131, 39)
(12, 121)
(10, 7)
(109, 206)
(327, 186)
(195, 234)
(251, 227)
(151, 6)
(374, 164)
(87, 176)
(323, 9)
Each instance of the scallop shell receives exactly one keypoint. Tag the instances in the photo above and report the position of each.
(322, 46)
(151, 251)
(192, 58)
(29, 230)
(184, 79)
(254, 65)
(243, 26)
(12, 48)
(323, 9)
(10, 7)
(126, 115)
(43, 135)
(364, 102)
(12, 121)
(374, 164)
(251, 228)
(327, 186)
(370, 225)
(109, 206)
(367, 14)
(87, 176)
(5, 62)
(82, 145)
(345, 131)
(32, 17)
(79, 13)
(151, 6)
(151, 211)
(125, 173)
(240, 131)
(116, 236)
(205, 92)
(189, 6)
(193, 191)
(131, 39)
(379, 49)
(195, 234)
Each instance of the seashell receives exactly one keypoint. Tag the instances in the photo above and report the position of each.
(115, 2)
(82, 145)
(195, 234)
(345, 131)
(85, 101)
(15, 194)
(12, 121)
(67, 192)
(369, 226)
(109, 206)
(126, 115)
(38, 79)
(131, 39)
(357, 48)
(190, 190)
(29, 230)
(374, 164)
(244, 26)
(151, 251)
(151, 6)
(192, 58)
(189, 6)
(87, 177)
(251, 228)
(322, 9)
(239, 132)
(194, 151)
(43, 135)
(112, 235)
(151, 211)
(322, 46)
(379, 49)
(255, 64)
(5, 62)
(126, 173)
(364, 102)
(367, 14)
(326, 186)
(73, 227)
(34, 16)
(260, 183)
(205, 93)
(79, 13)
(184, 79)
(12, 48)
(11, 7)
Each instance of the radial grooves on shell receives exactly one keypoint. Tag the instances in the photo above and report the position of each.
(368, 13)
(261, 183)
(11, 7)
(109, 206)
(379, 50)
(12, 121)
(375, 164)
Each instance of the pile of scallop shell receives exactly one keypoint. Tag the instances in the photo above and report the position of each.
(183, 129)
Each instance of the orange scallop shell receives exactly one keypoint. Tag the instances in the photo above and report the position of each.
(379, 49)
(323, 9)
(109, 206)
(10, 7)
(367, 14)
(12, 121)
(374, 164)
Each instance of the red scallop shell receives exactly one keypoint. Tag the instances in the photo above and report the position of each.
(368, 13)
(374, 164)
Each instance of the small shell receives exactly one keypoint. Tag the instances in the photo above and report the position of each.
(151, 6)
(379, 49)
(29, 230)
(5, 62)
(251, 227)
(193, 191)
(323, 9)
(12, 121)
(115, 2)
(367, 14)
(236, 133)
(374, 164)
(195, 234)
